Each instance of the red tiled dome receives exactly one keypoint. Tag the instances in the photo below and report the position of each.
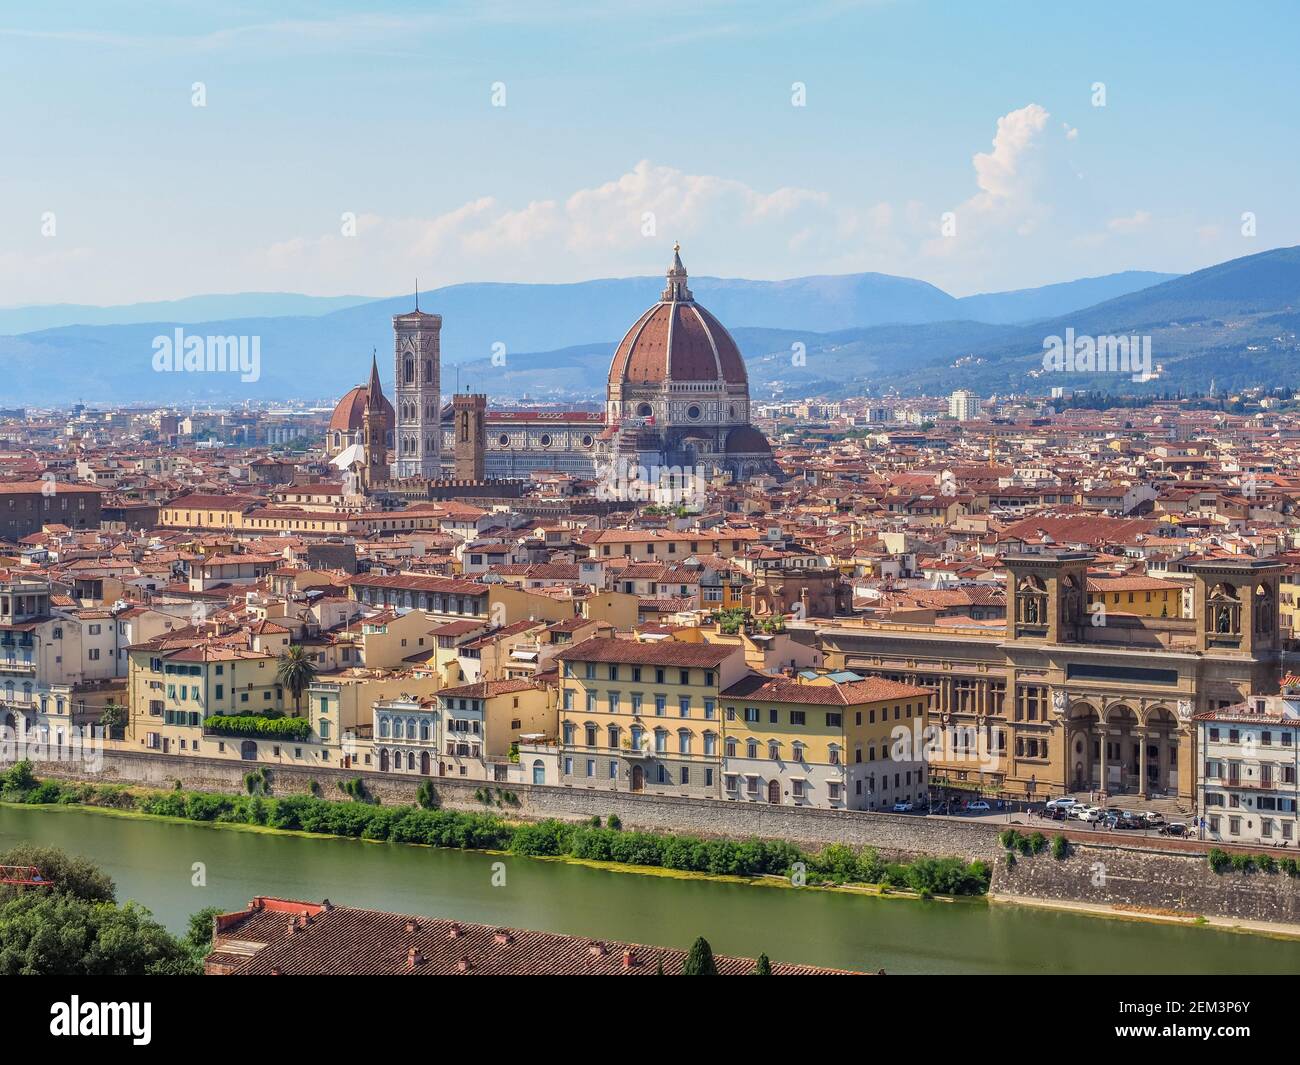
(350, 412)
(746, 440)
(677, 340)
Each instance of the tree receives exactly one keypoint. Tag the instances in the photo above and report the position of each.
(68, 874)
(699, 962)
(114, 717)
(762, 967)
(296, 673)
(74, 927)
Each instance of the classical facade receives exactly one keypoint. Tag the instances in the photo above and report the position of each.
(1065, 698)
(519, 442)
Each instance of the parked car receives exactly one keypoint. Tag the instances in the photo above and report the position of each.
(1176, 828)
(1063, 803)
(978, 806)
(1086, 813)
(1153, 819)
(902, 807)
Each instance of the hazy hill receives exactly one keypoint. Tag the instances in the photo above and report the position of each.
(324, 354)
(15, 320)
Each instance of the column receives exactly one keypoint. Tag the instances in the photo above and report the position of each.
(1142, 738)
(1102, 746)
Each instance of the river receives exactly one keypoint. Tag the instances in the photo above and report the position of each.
(153, 862)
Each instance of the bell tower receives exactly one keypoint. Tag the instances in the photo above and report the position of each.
(1237, 605)
(1047, 596)
(469, 413)
(417, 356)
(374, 432)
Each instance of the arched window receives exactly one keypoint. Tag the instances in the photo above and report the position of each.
(408, 370)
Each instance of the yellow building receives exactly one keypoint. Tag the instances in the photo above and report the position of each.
(836, 741)
(644, 716)
(174, 684)
(1148, 597)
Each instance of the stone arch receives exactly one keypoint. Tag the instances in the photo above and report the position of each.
(1160, 748)
(1122, 750)
(1082, 739)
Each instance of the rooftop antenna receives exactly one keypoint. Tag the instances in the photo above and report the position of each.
(417, 293)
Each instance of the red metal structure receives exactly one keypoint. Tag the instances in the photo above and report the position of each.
(23, 876)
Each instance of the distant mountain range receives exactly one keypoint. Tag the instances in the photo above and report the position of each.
(191, 309)
(1234, 322)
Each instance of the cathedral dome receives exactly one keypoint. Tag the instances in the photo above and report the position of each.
(350, 413)
(677, 341)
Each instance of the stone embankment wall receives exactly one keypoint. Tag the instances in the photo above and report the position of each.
(892, 834)
(1137, 878)
(1132, 875)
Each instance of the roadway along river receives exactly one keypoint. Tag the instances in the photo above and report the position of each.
(152, 862)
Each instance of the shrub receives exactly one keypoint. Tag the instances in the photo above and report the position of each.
(614, 822)
(1038, 843)
(1060, 847)
(1219, 861)
(271, 726)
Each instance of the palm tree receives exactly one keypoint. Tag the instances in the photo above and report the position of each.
(296, 673)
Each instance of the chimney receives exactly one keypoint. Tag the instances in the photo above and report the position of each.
(629, 958)
(276, 971)
(414, 958)
(463, 965)
(597, 949)
(503, 936)
(293, 926)
(454, 931)
(412, 925)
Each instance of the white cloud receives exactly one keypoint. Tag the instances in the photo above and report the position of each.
(1130, 223)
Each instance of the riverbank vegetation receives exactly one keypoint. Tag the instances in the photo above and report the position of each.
(61, 918)
(1221, 861)
(590, 841)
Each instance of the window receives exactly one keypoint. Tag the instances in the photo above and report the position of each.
(684, 706)
(797, 717)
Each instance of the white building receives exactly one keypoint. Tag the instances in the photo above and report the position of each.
(1247, 791)
(964, 405)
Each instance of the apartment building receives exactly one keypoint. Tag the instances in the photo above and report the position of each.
(830, 740)
(644, 716)
(1250, 755)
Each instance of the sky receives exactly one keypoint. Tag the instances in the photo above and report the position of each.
(159, 150)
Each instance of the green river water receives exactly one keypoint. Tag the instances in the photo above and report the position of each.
(153, 862)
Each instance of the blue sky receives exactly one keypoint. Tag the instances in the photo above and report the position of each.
(627, 126)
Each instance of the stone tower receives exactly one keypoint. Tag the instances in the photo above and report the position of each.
(417, 440)
(470, 417)
(374, 432)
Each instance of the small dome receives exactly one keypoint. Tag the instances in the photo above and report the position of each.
(677, 340)
(746, 440)
(349, 415)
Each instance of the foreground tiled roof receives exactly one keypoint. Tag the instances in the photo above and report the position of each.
(282, 937)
